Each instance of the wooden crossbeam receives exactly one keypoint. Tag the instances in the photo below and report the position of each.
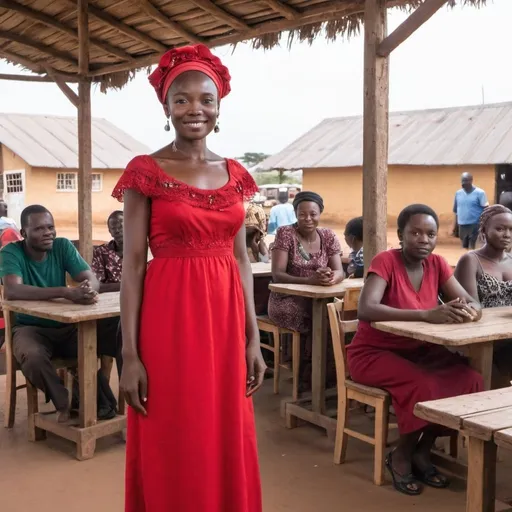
(221, 14)
(25, 78)
(157, 15)
(61, 84)
(285, 10)
(125, 29)
(37, 45)
(51, 22)
(422, 14)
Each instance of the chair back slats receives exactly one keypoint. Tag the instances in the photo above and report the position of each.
(339, 329)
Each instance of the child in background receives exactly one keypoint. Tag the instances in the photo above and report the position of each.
(354, 239)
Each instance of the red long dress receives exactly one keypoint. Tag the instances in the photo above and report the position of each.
(196, 449)
(411, 371)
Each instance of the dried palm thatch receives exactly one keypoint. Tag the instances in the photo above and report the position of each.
(130, 35)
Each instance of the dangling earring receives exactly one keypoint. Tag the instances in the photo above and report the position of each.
(167, 127)
(216, 129)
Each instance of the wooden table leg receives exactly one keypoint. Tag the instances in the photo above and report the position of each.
(481, 476)
(318, 363)
(87, 372)
(480, 356)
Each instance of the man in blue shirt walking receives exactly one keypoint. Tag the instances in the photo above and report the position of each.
(470, 202)
(281, 214)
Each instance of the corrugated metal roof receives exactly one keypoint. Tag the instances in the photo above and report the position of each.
(48, 141)
(451, 136)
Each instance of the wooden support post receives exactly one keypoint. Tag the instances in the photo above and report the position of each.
(422, 14)
(375, 131)
(84, 136)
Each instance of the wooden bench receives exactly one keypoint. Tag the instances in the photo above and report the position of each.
(486, 420)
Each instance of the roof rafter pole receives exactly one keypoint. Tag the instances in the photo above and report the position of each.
(375, 131)
(36, 45)
(221, 14)
(422, 14)
(51, 22)
(287, 11)
(125, 29)
(315, 15)
(84, 140)
(154, 13)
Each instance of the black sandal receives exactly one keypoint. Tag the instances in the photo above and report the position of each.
(402, 482)
(431, 477)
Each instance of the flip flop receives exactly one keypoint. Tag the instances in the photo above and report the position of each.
(402, 482)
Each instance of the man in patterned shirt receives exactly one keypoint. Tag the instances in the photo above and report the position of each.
(107, 260)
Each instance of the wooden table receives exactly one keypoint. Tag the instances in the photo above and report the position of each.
(261, 269)
(312, 409)
(89, 428)
(475, 337)
(486, 419)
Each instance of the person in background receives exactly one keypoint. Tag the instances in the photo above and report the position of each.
(404, 284)
(107, 259)
(5, 221)
(35, 269)
(354, 239)
(107, 265)
(486, 274)
(255, 218)
(256, 246)
(282, 214)
(469, 204)
(303, 254)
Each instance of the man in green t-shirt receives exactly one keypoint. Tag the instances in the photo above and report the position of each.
(35, 269)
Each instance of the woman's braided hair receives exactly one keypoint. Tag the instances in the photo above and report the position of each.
(488, 214)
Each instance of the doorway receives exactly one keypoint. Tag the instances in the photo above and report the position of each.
(503, 180)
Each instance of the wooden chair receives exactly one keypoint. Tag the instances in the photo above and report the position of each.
(350, 390)
(268, 326)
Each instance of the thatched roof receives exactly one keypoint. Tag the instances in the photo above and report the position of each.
(126, 35)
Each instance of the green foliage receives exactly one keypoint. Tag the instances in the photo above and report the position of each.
(252, 159)
(274, 177)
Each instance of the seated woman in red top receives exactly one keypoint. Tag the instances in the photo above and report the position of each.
(404, 284)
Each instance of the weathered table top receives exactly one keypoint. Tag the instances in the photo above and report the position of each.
(261, 269)
(481, 415)
(67, 312)
(318, 292)
(495, 324)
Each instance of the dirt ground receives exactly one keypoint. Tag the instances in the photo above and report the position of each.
(296, 467)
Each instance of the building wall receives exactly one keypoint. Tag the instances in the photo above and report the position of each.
(42, 189)
(11, 161)
(341, 189)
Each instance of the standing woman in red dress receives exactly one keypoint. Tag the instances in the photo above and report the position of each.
(191, 348)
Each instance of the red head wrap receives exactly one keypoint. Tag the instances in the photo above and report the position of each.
(189, 58)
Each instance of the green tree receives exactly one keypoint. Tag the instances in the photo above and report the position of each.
(252, 159)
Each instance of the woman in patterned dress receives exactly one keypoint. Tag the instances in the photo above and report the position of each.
(303, 254)
(191, 349)
(486, 274)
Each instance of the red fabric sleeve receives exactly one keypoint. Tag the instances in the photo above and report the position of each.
(444, 270)
(245, 182)
(139, 175)
(382, 265)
